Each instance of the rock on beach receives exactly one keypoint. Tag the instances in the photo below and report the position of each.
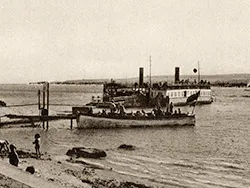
(86, 152)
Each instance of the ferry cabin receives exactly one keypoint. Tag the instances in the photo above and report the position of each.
(178, 96)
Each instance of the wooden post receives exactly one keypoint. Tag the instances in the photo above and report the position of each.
(43, 103)
(47, 84)
(39, 102)
(71, 123)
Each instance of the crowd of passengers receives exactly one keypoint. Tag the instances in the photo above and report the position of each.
(184, 84)
(119, 110)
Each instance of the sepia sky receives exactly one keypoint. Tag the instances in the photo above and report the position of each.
(75, 39)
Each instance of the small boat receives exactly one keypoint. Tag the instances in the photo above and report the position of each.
(248, 87)
(88, 121)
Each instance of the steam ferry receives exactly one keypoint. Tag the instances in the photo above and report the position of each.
(145, 95)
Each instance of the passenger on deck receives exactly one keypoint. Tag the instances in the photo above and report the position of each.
(99, 113)
(138, 114)
(132, 114)
(154, 111)
(179, 111)
(104, 113)
(171, 107)
(122, 110)
(144, 113)
(13, 156)
(112, 107)
(159, 112)
(118, 106)
(90, 111)
(4, 145)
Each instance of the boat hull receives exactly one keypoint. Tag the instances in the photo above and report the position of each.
(88, 122)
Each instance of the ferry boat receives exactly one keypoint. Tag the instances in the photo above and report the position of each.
(145, 95)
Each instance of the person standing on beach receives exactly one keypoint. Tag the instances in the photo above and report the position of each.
(4, 146)
(37, 145)
(13, 156)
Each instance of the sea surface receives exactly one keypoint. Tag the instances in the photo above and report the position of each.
(213, 153)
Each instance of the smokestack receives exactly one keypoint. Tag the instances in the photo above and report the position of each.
(141, 76)
(177, 75)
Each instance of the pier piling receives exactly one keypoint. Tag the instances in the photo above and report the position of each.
(71, 123)
(47, 87)
(43, 105)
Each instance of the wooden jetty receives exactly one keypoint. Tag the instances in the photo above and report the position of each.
(43, 112)
(19, 119)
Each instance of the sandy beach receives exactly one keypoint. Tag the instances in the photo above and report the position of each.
(69, 172)
(9, 182)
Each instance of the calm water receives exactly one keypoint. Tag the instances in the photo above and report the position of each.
(214, 153)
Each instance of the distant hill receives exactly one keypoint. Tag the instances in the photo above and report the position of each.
(82, 81)
(213, 79)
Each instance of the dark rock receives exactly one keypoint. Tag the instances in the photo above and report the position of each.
(86, 152)
(59, 162)
(2, 103)
(126, 147)
(51, 179)
(87, 181)
(24, 154)
(30, 169)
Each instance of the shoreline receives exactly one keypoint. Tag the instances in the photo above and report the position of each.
(68, 172)
(9, 182)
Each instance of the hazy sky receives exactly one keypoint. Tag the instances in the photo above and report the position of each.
(74, 39)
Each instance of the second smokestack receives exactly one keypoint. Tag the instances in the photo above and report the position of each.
(177, 75)
(141, 76)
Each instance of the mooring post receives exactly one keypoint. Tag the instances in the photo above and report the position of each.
(39, 103)
(71, 123)
(47, 84)
(43, 103)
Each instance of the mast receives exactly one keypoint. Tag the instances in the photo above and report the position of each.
(199, 76)
(150, 71)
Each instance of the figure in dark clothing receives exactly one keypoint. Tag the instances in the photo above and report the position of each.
(179, 111)
(112, 107)
(171, 107)
(37, 145)
(13, 156)
(4, 146)
(122, 110)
